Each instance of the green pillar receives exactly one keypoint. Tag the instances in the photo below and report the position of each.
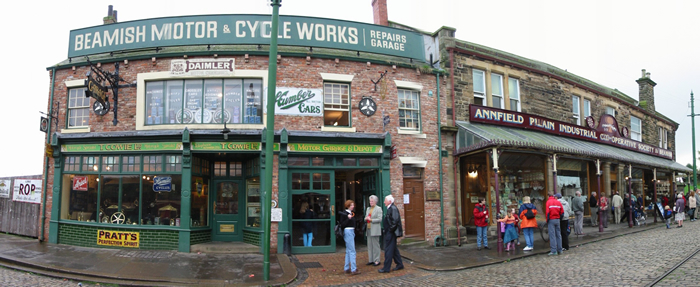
(695, 155)
(385, 170)
(186, 203)
(284, 227)
(56, 193)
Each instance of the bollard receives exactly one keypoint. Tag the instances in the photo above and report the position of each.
(287, 244)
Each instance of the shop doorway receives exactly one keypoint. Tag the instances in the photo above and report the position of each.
(313, 214)
(227, 196)
(414, 203)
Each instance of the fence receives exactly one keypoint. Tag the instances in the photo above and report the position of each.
(18, 217)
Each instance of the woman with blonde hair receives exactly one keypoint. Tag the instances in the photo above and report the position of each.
(307, 226)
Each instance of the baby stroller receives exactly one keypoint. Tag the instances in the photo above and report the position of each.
(639, 216)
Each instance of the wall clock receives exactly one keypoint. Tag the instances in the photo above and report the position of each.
(99, 108)
(367, 106)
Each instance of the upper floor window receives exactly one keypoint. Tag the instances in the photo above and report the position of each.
(575, 106)
(336, 104)
(479, 87)
(514, 94)
(610, 111)
(635, 128)
(78, 108)
(409, 109)
(586, 108)
(235, 101)
(497, 91)
(663, 138)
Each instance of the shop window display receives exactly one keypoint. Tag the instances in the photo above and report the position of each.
(161, 200)
(119, 199)
(572, 175)
(81, 196)
(200, 202)
(520, 175)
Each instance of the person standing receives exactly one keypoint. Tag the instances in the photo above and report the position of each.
(564, 222)
(553, 210)
(605, 209)
(680, 210)
(511, 232)
(307, 226)
(528, 211)
(626, 204)
(593, 204)
(347, 223)
(374, 230)
(697, 200)
(391, 228)
(481, 220)
(692, 204)
(616, 205)
(577, 207)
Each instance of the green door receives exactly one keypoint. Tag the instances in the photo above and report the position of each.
(312, 211)
(227, 196)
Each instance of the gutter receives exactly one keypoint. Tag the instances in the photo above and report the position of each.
(46, 158)
(439, 120)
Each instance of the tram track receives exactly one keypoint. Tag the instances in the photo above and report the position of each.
(674, 268)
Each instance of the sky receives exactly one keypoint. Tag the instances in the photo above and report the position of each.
(608, 42)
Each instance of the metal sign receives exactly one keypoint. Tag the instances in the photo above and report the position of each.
(27, 190)
(80, 183)
(245, 30)
(299, 102)
(95, 90)
(162, 184)
(44, 125)
(5, 188)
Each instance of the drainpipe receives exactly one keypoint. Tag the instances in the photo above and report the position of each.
(46, 158)
(454, 138)
(442, 210)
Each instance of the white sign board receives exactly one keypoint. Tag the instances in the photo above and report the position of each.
(406, 199)
(299, 102)
(276, 215)
(5, 188)
(27, 190)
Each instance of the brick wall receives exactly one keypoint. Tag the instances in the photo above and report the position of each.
(83, 235)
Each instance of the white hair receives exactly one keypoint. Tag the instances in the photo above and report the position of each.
(390, 198)
(578, 192)
(371, 197)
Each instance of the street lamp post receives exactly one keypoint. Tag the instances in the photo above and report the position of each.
(600, 197)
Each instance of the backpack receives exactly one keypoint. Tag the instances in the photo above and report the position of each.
(529, 214)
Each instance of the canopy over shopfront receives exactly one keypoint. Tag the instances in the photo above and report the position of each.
(473, 137)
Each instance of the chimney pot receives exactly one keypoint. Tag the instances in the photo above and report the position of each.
(644, 72)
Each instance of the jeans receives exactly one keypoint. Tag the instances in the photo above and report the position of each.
(529, 236)
(481, 235)
(554, 230)
(349, 237)
(308, 237)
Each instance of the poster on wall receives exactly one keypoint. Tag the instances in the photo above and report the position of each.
(5, 188)
(299, 102)
(80, 183)
(27, 190)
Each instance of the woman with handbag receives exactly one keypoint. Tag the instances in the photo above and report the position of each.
(347, 224)
(374, 230)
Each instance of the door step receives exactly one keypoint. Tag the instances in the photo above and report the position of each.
(218, 247)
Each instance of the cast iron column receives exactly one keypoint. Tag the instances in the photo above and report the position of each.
(653, 200)
(600, 196)
(692, 121)
(494, 157)
(629, 192)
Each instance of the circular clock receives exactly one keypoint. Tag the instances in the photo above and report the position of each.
(367, 106)
(625, 132)
(99, 108)
(590, 122)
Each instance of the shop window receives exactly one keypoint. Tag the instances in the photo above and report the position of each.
(78, 108)
(161, 202)
(173, 163)
(479, 78)
(369, 162)
(409, 109)
(81, 195)
(514, 94)
(252, 167)
(336, 104)
(321, 181)
(90, 164)
(210, 101)
(576, 108)
(131, 163)
(348, 161)
(109, 197)
(220, 168)
(110, 164)
(300, 181)
(298, 161)
(663, 138)
(586, 108)
(235, 168)
(321, 161)
(72, 163)
(152, 163)
(253, 203)
(635, 128)
(610, 111)
(497, 91)
(519, 175)
(200, 202)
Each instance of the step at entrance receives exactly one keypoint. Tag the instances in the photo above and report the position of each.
(219, 247)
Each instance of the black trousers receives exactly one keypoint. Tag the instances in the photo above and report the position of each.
(391, 251)
(625, 214)
(564, 234)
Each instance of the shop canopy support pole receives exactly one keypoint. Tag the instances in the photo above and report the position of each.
(600, 196)
(270, 138)
(494, 153)
(692, 121)
(653, 200)
(629, 193)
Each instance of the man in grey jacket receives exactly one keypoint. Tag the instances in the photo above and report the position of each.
(564, 221)
(577, 203)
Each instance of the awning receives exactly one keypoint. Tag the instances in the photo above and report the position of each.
(493, 135)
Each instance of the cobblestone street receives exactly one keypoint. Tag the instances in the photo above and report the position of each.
(14, 278)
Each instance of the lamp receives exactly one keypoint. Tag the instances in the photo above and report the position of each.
(225, 131)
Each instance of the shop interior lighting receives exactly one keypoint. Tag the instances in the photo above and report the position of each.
(94, 167)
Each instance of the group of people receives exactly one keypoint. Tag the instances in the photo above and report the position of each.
(378, 224)
(682, 206)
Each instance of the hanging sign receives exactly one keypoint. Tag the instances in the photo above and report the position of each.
(118, 238)
(299, 102)
(5, 188)
(95, 90)
(27, 190)
(80, 183)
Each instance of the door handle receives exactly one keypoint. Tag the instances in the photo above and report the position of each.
(333, 209)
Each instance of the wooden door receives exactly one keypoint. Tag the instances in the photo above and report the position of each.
(414, 209)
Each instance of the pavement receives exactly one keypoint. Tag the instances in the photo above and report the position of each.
(171, 268)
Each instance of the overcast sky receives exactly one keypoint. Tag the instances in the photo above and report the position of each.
(608, 42)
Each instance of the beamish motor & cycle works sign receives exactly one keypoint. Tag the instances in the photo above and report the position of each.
(607, 131)
(118, 238)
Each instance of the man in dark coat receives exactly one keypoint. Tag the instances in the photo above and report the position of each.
(391, 229)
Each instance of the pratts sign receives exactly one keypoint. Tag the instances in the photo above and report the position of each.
(245, 30)
(607, 131)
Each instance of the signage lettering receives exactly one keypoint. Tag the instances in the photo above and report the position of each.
(298, 102)
(336, 148)
(27, 190)
(80, 183)
(122, 147)
(607, 131)
(5, 188)
(118, 238)
(95, 90)
(245, 30)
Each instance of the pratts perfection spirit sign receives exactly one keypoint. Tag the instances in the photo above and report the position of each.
(607, 131)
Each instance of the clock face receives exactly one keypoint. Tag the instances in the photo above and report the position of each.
(100, 109)
(367, 106)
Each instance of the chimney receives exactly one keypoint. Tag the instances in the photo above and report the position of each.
(646, 92)
(111, 16)
(381, 16)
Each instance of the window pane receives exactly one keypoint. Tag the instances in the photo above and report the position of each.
(514, 105)
(478, 101)
(226, 198)
(162, 207)
(479, 86)
(90, 164)
(513, 89)
(575, 104)
(154, 103)
(130, 189)
(200, 201)
(213, 97)
(320, 161)
(496, 84)
(82, 197)
(348, 161)
(232, 100)
(152, 163)
(110, 164)
(253, 101)
(497, 102)
(72, 163)
(336, 99)
(173, 163)
(174, 102)
(220, 168)
(193, 102)
(109, 197)
(300, 181)
(298, 161)
(131, 163)
(322, 181)
(586, 108)
(610, 111)
(369, 162)
(235, 168)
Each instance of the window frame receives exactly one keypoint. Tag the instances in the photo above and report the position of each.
(663, 138)
(608, 109)
(419, 126)
(576, 108)
(479, 94)
(515, 90)
(78, 95)
(349, 104)
(632, 131)
(586, 108)
(501, 96)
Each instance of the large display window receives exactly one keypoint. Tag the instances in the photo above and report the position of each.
(572, 176)
(520, 175)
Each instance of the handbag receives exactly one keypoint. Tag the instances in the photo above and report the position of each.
(339, 231)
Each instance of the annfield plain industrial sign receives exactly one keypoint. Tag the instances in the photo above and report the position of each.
(245, 30)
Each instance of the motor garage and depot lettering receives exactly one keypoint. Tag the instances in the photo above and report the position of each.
(607, 131)
(245, 30)
(335, 148)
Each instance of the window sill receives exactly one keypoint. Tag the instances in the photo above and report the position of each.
(416, 134)
(75, 130)
(338, 129)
